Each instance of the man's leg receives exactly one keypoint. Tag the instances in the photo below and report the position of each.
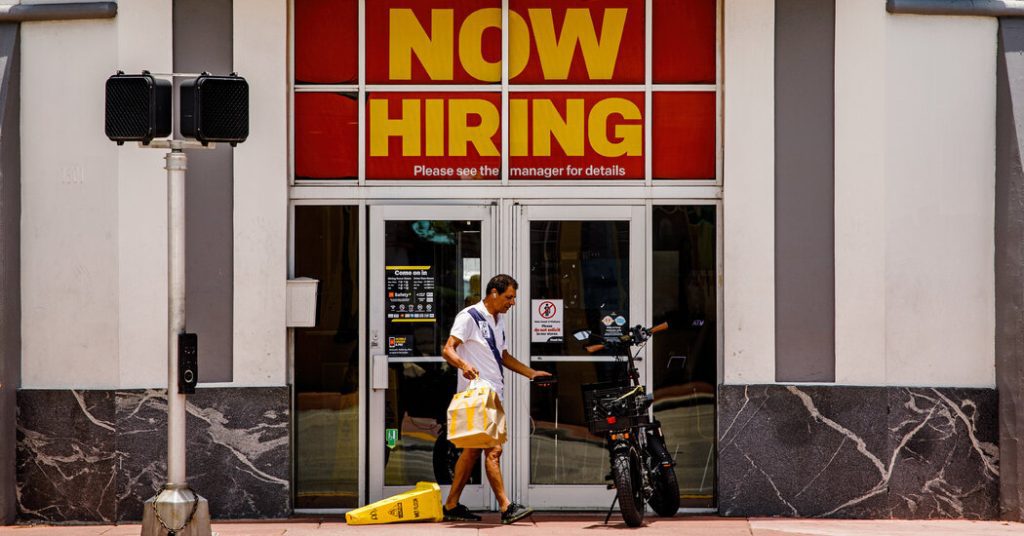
(463, 469)
(492, 463)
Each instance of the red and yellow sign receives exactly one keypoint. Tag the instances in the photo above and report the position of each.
(551, 135)
(433, 135)
(459, 42)
(591, 132)
(576, 135)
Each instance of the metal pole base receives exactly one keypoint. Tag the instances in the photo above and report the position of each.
(175, 504)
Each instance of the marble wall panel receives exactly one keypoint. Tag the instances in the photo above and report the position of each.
(238, 452)
(947, 453)
(142, 449)
(66, 456)
(857, 452)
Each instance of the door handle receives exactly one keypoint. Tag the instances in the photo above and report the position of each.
(379, 372)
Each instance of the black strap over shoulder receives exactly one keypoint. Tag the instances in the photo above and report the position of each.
(481, 323)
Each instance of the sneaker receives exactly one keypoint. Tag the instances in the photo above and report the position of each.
(515, 512)
(459, 513)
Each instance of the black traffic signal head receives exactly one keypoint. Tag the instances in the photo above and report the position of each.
(138, 107)
(215, 108)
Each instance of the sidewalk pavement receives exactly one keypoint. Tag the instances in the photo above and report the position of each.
(567, 524)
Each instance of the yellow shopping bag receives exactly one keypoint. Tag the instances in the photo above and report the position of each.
(476, 419)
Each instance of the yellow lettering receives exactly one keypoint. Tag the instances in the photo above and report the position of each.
(630, 136)
(471, 38)
(460, 133)
(518, 44)
(435, 127)
(518, 133)
(406, 127)
(548, 122)
(556, 52)
(408, 37)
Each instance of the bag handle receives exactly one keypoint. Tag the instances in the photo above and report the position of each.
(479, 382)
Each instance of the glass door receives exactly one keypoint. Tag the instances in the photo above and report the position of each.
(426, 264)
(580, 267)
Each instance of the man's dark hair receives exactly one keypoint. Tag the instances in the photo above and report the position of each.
(501, 282)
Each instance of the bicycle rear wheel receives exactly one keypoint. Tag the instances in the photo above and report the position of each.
(665, 499)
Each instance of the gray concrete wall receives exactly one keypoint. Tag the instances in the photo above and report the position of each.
(10, 262)
(804, 191)
(203, 42)
(1009, 264)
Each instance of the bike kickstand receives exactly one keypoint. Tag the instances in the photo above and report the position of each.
(611, 509)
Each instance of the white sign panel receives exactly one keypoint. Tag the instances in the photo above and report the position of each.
(547, 320)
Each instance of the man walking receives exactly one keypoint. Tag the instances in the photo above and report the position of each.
(477, 329)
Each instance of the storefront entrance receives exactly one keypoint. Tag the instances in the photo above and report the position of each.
(576, 147)
(579, 265)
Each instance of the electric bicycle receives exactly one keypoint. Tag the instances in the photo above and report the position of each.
(642, 470)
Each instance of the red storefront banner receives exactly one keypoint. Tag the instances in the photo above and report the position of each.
(552, 135)
(433, 41)
(459, 41)
(569, 136)
(433, 135)
(326, 42)
(326, 136)
(683, 48)
(683, 135)
(573, 42)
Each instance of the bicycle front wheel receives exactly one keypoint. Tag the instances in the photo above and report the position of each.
(629, 487)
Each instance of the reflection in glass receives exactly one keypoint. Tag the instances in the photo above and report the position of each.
(585, 264)
(416, 405)
(449, 252)
(327, 360)
(684, 358)
(562, 449)
(419, 311)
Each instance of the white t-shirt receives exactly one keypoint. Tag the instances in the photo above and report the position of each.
(474, 348)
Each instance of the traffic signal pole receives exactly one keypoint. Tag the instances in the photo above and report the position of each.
(175, 163)
(213, 109)
(176, 510)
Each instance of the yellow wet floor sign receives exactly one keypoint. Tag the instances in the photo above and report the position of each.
(422, 503)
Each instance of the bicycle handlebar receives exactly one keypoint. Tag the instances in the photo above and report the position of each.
(651, 331)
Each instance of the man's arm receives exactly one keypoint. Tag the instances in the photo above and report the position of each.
(453, 359)
(517, 366)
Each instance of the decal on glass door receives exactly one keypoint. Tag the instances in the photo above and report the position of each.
(409, 303)
(547, 321)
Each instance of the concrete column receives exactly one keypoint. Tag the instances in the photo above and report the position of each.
(10, 264)
(1009, 265)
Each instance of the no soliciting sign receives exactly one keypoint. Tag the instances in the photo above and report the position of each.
(547, 320)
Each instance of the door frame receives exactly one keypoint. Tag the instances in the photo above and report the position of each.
(568, 497)
(475, 497)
